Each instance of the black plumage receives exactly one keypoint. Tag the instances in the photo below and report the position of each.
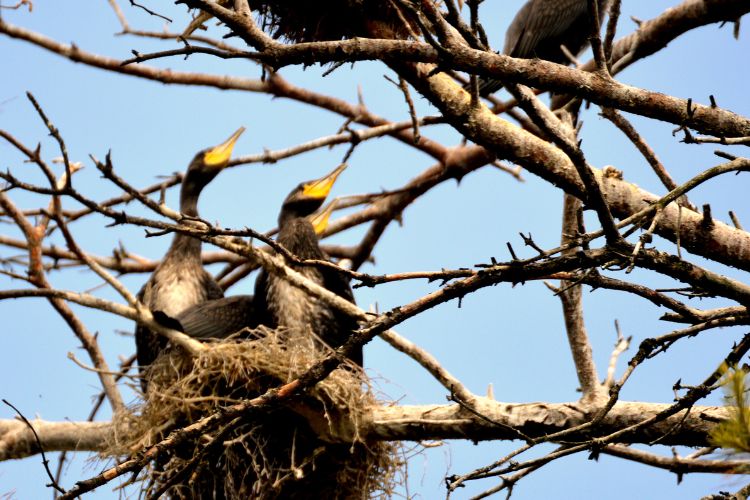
(281, 304)
(539, 30)
(220, 318)
(180, 281)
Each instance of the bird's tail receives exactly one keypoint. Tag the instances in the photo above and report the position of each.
(486, 86)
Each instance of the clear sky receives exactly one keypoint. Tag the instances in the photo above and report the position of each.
(512, 338)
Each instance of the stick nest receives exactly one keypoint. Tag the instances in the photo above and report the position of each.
(308, 21)
(309, 448)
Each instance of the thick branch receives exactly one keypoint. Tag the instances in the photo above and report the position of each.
(571, 296)
(718, 241)
(655, 34)
(538, 420)
(17, 440)
(429, 422)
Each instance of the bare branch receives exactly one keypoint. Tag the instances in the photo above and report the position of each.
(571, 297)
(407, 422)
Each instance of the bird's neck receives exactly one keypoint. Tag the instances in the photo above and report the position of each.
(182, 244)
(184, 247)
(189, 201)
(298, 236)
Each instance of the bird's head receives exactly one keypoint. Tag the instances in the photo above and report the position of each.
(210, 161)
(319, 220)
(307, 197)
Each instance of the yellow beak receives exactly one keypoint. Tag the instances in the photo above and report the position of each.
(320, 220)
(319, 189)
(218, 156)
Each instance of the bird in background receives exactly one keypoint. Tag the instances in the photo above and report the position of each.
(180, 281)
(539, 30)
(281, 304)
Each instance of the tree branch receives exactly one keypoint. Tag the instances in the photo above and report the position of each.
(414, 423)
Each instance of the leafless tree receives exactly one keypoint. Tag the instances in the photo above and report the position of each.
(430, 48)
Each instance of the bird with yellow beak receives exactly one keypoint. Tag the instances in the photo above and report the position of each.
(179, 281)
(279, 303)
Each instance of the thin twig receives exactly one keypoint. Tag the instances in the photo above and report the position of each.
(53, 482)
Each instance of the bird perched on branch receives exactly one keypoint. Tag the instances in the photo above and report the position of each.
(281, 304)
(224, 317)
(180, 281)
(541, 28)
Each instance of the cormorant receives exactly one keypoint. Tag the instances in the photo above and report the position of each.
(541, 27)
(180, 281)
(278, 302)
(220, 318)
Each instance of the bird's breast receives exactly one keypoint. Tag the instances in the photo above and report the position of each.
(173, 292)
(293, 307)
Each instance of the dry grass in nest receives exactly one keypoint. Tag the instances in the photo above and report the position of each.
(311, 448)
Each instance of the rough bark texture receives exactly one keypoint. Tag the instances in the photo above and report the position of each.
(429, 422)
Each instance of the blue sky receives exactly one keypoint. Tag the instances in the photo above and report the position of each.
(510, 337)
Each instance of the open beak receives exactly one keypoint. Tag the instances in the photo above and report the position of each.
(320, 220)
(218, 156)
(319, 189)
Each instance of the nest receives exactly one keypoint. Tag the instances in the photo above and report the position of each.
(311, 447)
(307, 21)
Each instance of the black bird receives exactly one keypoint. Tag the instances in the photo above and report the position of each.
(180, 281)
(280, 303)
(541, 27)
(219, 318)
